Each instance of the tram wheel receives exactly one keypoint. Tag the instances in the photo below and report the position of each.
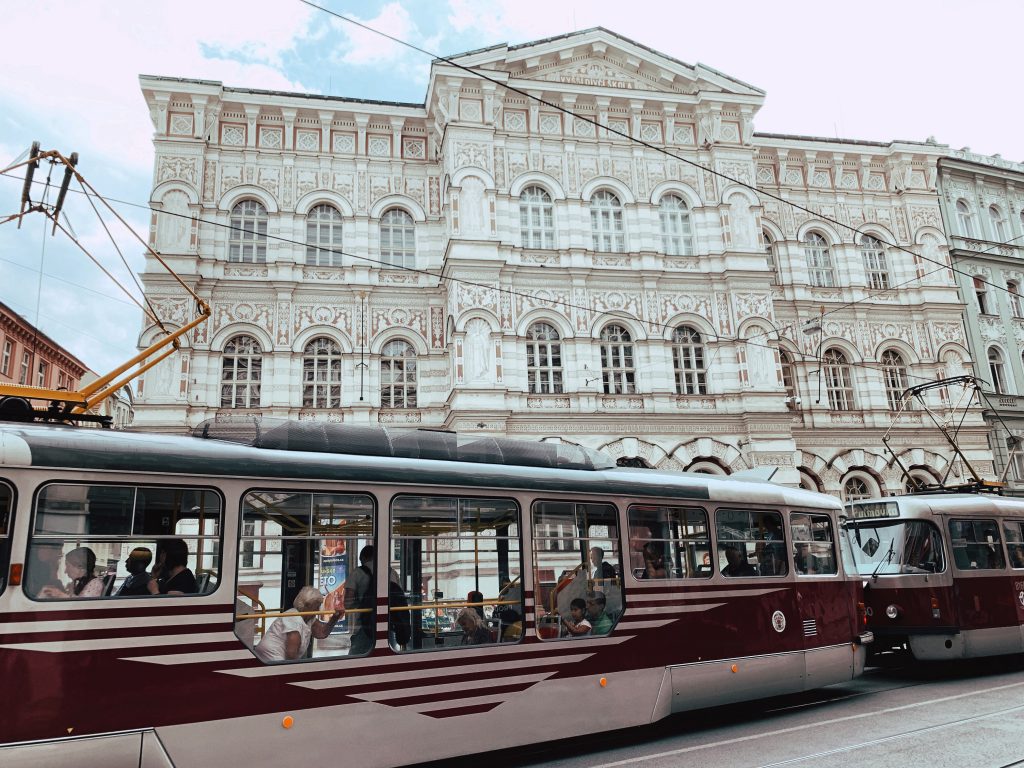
(15, 409)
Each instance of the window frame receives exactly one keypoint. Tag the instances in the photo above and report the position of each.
(397, 255)
(964, 219)
(821, 269)
(719, 548)
(997, 370)
(319, 254)
(536, 218)
(895, 377)
(6, 539)
(689, 361)
(876, 267)
(5, 360)
(233, 381)
(84, 539)
(839, 382)
(975, 523)
(795, 542)
(618, 377)
(247, 241)
(607, 227)
(547, 378)
(676, 223)
(680, 545)
(392, 540)
(407, 382)
(318, 393)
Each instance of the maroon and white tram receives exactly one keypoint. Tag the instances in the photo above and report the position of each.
(359, 596)
(944, 574)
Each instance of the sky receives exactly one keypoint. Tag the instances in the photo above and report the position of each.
(870, 70)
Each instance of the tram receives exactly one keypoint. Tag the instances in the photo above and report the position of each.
(944, 573)
(469, 594)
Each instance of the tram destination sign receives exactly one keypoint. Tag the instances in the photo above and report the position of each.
(873, 509)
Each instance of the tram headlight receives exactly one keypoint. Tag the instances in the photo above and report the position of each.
(892, 611)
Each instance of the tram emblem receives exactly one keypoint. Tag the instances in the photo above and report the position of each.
(1020, 596)
(779, 621)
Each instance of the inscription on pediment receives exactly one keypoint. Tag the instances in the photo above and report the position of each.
(598, 73)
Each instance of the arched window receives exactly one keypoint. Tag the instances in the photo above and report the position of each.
(820, 270)
(398, 375)
(1013, 291)
(606, 222)
(894, 373)
(321, 374)
(997, 370)
(248, 239)
(323, 236)
(838, 380)
(998, 223)
(688, 356)
(808, 481)
(875, 266)
(544, 359)
(676, 230)
(536, 218)
(788, 377)
(771, 255)
(617, 371)
(397, 239)
(241, 373)
(856, 488)
(963, 218)
(981, 294)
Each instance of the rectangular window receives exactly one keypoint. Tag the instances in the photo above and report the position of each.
(123, 541)
(6, 515)
(5, 361)
(750, 543)
(26, 366)
(669, 542)
(976, 545)
(580, 542)
(1014, 530)
(457, 572)
(41, 374)
(814, 549)
(301, 555)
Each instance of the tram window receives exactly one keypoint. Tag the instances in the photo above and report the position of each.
(894, 546)
(96, 541)
(668, 542)
(976, 545)
(750, 543)
(291, 540)
(583, 566)
(455, 579)
(814, 550)
(6, 514)
(1014, 530)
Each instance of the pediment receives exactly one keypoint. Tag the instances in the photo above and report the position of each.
(601, 73)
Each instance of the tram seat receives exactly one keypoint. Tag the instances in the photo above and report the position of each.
(108, 584)
(202, 582)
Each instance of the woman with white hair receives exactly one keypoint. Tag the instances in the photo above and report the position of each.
(475, 632)
(289, 635)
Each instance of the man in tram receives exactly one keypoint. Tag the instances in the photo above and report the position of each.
(736, 562)
(360, 593)
(600, 621)
(137, 582)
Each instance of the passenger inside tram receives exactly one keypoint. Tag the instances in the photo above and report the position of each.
(600, 621)
(736, 562)
(171, 574)
(361, 593)
(80, 567)
(290, 634)
(576, 624)
(43, 562)
(473, 630)
(138, 579)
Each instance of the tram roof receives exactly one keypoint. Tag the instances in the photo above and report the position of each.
(967, 504)
(66, 447)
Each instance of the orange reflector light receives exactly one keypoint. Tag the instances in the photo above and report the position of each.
(603, 681)
(935, 602)
(288, 721)
(735, 668)
(16, 569)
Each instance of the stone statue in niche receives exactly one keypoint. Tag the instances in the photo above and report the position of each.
(478, 364)
(172, 225)
(954, 364)
(160, 378)
(471, 204)
(760, 361)
(742, 224)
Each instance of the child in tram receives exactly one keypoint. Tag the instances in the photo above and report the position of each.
(577, 625)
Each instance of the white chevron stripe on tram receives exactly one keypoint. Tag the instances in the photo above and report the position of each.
(649, 597)
(467, 669)
(459, 688)
(543, 652)
(656, 610)
(467, 700)
(199, 657)
(111, 643)
(116, 623)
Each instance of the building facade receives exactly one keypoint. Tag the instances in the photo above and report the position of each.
(642, 273)
(29, 356)
(982, 201)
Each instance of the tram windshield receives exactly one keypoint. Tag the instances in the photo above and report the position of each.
(6, 504)
(893, 547)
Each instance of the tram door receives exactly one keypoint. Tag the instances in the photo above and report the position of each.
(1014, 530)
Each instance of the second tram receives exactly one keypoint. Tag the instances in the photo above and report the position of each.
(944, 573)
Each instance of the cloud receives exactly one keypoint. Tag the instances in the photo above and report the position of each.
(364, 48)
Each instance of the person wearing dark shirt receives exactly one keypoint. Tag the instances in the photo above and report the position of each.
(736, 562)
(137, 582)
(171, 575)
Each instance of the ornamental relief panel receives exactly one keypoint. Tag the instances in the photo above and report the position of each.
(259, 314)
(675, 304)
(270, 179)
(230, 177)
(991, 329)
(383, 318)
(471, 153)
(602, 301)
(344, 185)
(475, 296)
(184, 168)
(542, 298)
(233, 270)
(172, 310)
(945, 333)
(325, 313)
(752, 305)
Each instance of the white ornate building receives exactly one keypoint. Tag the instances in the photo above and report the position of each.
(983, 207)
(485, 262)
